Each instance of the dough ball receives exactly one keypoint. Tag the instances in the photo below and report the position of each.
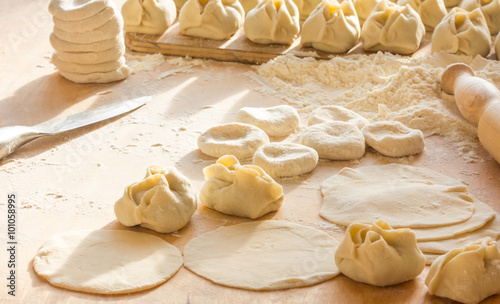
(378, 255)
(148, 16)
(462, 32)
(306, 7)
(263, 255)
(392, 28)
(75, 10)
(335, 140)
(364, 8)
(275, 121)
(392, 138)
(87, 68)
(98, 77)
(109, 30)
(431, 11)
(336, 113)
(273, 21)
(106, 261)
(490, 10)
(212, 19)
(285, 159)
(112, 54)
(87, 24)
(164, 201)
(245, 191)
(240, 140)
(332, 27)
(468, 274)
(61, 45)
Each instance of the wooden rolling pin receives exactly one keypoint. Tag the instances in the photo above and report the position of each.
(479, 102)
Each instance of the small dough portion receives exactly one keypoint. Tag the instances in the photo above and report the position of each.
(336, 113)
(245, 191)
(98, 77)
(164, 201)
(87, 24)
(378, 255)
(394, 139)
(335, 140)
(61, 45)
(148, 16)
(109, 30)
(72, 67)
(285, 159)
(112, 54)
(467, 274)
(364, 8)
(75, 10)
(238, 139)
(263, 255)
(106, 261)
(306, 7)
(490, 10)
(431, 11)
(400, 203)
(275, 121)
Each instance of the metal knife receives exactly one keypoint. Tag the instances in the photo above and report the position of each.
(11, 138)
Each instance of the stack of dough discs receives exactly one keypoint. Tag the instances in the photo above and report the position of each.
(88, 40)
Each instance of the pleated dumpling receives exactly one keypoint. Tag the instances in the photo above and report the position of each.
(462, 32)
(212, 19)
(490, 10)
(468, 274)
(378, 255)
(273, 21)
(392, 28)
(364, 8)
(332, 27)
(306, 7)
(148, 16)
(431, 11)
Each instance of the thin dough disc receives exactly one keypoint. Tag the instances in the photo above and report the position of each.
(399, 203)
(106, 77)
(285, 159)
(392, 138)
(336, 113)
(76, 9)
(87, 68)
(61, 45)
(93, 57)
(87, 24)
(335, 140)
(106, 261)
(275, 121)
(263, 255)
(240, 140)
(109, 30)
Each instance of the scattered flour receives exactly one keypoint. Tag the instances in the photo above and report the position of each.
(140, 63)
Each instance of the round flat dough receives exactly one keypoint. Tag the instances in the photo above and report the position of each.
(392, 138)
(93, 57)
(238, 139)
(106, 77)
(399, 203)
(106, 261)
(285, 159)
(275, 121)
(87, 24)
(87, 68)
(336, 113)
(335, 140)
(263, 255)
(61, 45)
(109, 30)
(76, 9)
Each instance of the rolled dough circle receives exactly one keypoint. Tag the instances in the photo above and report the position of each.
(111, 54)
(238, 139)
(336, 113)
(62, 45)
(76, 9)
(87, 24)
(263, 255)
(87, 68)
(336, 140)
(109, 30)
(106, 261)
(275, 121)
(392, 138)
(285, 159)
(105, 77)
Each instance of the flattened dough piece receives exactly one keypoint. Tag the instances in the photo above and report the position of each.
(109, 30)
(238, 139)
(263, 255)
(111, 54)
(105, 77)
(399, 203)
(87, 24)
(61, 45)
(87, 68)
(106, 261)
(392, 138)
(335, 140)
(76, 9)
(336, 113)
(275, 121)
(285, 159)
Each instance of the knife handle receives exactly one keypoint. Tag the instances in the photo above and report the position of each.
(11, 138)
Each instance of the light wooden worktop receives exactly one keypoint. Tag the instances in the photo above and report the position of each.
(71, 181)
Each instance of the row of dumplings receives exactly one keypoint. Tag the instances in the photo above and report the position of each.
(328, 25)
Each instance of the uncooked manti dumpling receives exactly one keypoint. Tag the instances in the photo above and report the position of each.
(306, 7)
(245, 191)
(431, 11)
(164, 201)
(273, 21)
(212, 19)
(462, 32)
(148, 16)
(379, 255)
(392, 28)
(490, 10)
(332, 27)
(468, 274)
(364, 8)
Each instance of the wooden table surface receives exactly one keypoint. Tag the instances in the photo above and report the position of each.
(71, 181)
